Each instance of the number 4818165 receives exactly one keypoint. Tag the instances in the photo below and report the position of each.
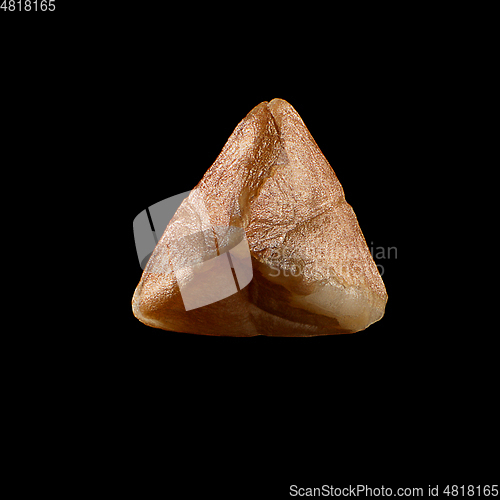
(28, 5)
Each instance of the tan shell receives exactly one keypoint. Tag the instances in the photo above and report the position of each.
(313, 273)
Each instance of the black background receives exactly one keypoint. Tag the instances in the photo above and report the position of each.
(128, 105)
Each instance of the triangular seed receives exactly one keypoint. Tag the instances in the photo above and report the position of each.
(271, 200)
